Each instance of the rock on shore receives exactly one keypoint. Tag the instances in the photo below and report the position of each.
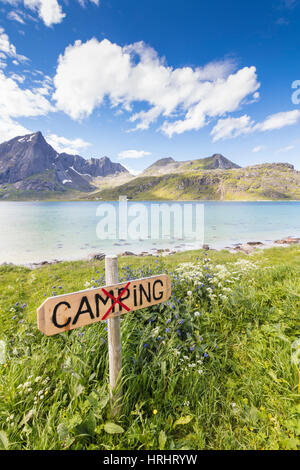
(287, 241)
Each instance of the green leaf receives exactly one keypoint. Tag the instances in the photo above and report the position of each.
(74, 421)
(112, 428)
(92, 376)
(62, 431)
(27, 417)
(90, 423)
(162, 439)
(93, 400)
(103, 402)
(4, 443)
(290, 444)
(253, 415)
(68, 442)
(296, 358)
(183, 420)
(79, 390)
(273, 376)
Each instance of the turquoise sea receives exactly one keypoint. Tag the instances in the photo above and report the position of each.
(37, 231)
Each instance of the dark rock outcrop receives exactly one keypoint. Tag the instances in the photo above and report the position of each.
(220, 162)
(24, 156)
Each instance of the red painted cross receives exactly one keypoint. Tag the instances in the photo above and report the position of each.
(116, 300)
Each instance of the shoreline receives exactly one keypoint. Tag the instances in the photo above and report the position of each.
(149, 200)
(243, 247)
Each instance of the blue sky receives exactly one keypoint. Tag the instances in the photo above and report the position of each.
(142, 80)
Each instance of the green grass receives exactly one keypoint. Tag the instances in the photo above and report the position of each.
(199, 372)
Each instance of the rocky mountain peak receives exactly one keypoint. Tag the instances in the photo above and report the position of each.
(31, 163)
(221, 162)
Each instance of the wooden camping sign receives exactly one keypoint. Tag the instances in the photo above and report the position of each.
(69, 311)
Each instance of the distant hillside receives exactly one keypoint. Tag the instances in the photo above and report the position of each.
(277, 181)
(169, 165)
(29, 166)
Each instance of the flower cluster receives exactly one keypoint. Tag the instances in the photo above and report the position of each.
(31, 384)
(213, 282)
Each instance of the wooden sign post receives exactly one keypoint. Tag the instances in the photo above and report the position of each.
(69, 311)
(114, 337)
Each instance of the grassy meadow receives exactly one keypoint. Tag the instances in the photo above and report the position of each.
(215, 367)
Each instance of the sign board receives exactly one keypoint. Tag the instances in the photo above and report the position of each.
(69, 311)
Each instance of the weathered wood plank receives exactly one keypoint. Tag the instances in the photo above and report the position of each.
(69, 311)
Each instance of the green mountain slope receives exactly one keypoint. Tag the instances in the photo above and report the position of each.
(169, 166)
(260, 182)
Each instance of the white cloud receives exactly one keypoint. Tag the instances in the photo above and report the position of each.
(7, 48)
(17, 78)
(279, 120)
(62, 144)
(2, 60)
(259, 148)
(15, 99)
(15, 16)
(286, 149)
(48, 10)
(94, 70)
(232, 127)
(84, 2)
(133, 154)
(10, 128)
(219, 98)
(17, 102)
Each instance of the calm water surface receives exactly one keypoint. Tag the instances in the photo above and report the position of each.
(37, 231)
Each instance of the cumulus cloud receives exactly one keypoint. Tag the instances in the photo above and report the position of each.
(93, 71)
(62, 144)
(233, 127)
(48, 10)
(17, 102)
(133, 154)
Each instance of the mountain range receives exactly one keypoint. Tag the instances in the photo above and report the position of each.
(169, 165)
(29, 163)
(31, 169)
